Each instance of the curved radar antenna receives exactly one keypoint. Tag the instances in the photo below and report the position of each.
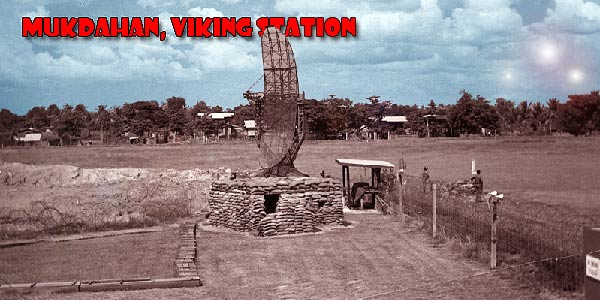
(279, 109)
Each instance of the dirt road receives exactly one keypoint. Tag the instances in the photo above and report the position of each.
(378, 258)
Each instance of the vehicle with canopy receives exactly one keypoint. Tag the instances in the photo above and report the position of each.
(362, 195)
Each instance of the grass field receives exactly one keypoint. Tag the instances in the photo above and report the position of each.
(117, 257)
(559, 170)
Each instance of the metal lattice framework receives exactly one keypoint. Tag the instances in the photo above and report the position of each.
(278, 110)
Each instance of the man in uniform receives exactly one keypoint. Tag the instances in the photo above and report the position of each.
(425, 179)
(478, 184)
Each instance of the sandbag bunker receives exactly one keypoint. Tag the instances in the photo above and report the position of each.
(268, 206)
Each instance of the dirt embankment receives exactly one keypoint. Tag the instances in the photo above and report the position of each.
(61, 198)
(49, 176)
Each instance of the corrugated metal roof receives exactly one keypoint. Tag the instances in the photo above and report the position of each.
(220, 116)
(216, 116)
(435, 117)
(31, 137)
(394, 119)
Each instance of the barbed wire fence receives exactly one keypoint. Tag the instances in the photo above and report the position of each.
(427, 286)
(526, 231)
(135, 204)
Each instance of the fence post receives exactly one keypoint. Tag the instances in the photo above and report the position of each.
(434, 219)
(401, 189)
(493, 236)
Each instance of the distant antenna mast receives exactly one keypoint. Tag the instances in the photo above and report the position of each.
(373, 99)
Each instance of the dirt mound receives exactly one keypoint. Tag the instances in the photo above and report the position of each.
(46, 176)
(57, 198)
(17, 174)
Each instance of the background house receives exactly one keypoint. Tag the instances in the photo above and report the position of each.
(250, 127)
(395, 125)
(434, 126)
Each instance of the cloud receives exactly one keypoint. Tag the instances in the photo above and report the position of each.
(406, 50)
(341, 8)
(112, 59)
(204, 12)
(474, 33)
(155, 3)
(125, 60)
(232, 54)
(402, 25)
(39, 12)
(575, 16)
(309, 7)
(231, 1)
(486, 21)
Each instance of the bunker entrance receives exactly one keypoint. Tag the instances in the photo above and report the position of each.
(271, 203)
(321, 203)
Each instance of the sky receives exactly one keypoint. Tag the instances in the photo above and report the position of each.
(406, 51)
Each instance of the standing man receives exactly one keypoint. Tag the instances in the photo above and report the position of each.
(425, 179)
(478, 183)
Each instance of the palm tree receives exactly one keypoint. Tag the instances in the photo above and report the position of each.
(553, 104)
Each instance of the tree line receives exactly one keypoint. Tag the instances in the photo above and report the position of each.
(325, 119)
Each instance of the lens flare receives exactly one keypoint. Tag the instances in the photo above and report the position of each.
(575, 76)
(548, 53)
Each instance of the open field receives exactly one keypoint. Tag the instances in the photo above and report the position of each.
(561, 170)
(377, 256)
(117, 257)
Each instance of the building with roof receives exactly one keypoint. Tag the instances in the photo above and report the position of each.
(217, 116)
(250, 127)
(220, 116)
(394, 119)
(434, 126)
(395, 124)
(223, 123)
(30, 139)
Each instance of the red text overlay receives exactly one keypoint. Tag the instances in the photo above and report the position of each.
(203, 27)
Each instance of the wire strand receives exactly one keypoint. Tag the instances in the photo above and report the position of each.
(257, 80)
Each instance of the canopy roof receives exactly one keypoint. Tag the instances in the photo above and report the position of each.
(364, 163)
